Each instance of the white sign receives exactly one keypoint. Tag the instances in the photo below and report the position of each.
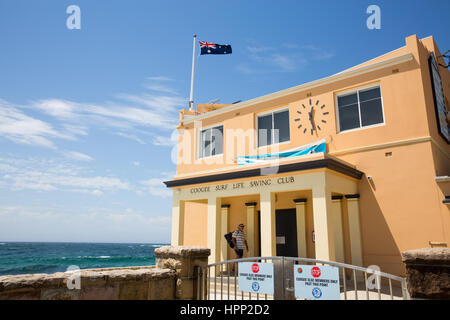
(255, 277)
(281, 240)
(316, 282)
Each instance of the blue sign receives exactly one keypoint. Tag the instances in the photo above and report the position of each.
(317, 293)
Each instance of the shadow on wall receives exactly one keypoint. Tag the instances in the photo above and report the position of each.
(379, 247)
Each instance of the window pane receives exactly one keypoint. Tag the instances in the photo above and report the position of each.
(265, 130)
(371, 112)
(217, 140)
(281, 123)
(370, 94)
(348, 117)
(347, 100)
(205, 143)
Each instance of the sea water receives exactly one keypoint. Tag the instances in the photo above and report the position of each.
(50, 257)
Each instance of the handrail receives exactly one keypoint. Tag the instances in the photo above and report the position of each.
(332, 263)
(241, 260)
(348, 266)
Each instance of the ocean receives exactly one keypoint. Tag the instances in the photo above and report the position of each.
(50, 257)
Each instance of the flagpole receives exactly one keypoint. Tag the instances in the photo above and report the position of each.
(191, 98)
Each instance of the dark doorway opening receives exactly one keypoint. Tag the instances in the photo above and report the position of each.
(286, 232)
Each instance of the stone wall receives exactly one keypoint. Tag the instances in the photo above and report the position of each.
(173, 277)
(184, 261)
(427, 273)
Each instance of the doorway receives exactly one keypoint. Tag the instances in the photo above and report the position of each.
(286, 232)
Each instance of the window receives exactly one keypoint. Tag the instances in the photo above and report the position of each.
(360, 109)
(211, 142)
(273, 128)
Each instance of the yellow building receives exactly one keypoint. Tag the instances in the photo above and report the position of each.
(352, 168)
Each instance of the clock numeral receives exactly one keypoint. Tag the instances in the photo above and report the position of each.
(297, 119)
(299, 112)
(317, 102)
(325, 113)
(312, 131)
(303, 106)
(324, 121)
(304, 130)
(310, 103)
(299, 126)
(322, 107)
(318, 127)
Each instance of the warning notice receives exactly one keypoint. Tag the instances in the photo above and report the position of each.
(255, 277)
(316, 282)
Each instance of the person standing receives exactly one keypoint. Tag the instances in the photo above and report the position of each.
(239, 241)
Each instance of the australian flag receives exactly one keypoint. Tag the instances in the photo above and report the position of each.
(213, 48)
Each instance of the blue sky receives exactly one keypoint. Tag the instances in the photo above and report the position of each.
(87, 116)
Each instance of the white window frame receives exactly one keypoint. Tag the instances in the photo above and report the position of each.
(199, 139)
(352, 91)
(272, 112)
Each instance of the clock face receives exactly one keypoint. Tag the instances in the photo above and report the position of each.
(312, 117)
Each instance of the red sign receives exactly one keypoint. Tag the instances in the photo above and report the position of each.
(315, 272)
(255, 268)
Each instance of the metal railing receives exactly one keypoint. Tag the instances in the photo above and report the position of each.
(218, 281)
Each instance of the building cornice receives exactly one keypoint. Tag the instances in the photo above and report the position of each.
(327, 163)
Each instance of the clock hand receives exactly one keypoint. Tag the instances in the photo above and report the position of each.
(311, 119)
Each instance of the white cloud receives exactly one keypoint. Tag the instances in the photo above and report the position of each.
(317, 53)
(97, 192)
(74, 155)
(159, 78)
(292, 57)
(95, 224)
(58, 108)
(154, 111)
(130, 136)
(259, 49)
(156, 187)
(160, 88)
(18, 127)
(51, 175)
(284, 63)
(164, 141)
(130, 114)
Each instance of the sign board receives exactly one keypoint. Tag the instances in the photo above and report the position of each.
(439, 101)
(281, 240)
(255, 277)
(316, 282)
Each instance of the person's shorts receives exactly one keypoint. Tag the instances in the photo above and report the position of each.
(239, 252)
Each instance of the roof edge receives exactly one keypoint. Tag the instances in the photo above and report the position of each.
(309, 85)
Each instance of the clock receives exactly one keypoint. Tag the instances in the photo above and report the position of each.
(312, 117)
